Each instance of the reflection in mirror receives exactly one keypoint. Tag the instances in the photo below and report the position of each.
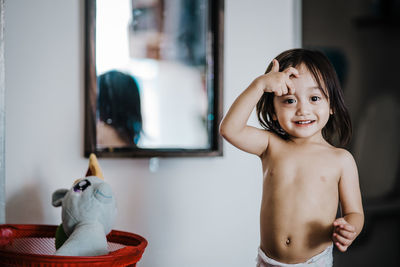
(154, 77)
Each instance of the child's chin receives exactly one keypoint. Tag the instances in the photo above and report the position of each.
(302, 134)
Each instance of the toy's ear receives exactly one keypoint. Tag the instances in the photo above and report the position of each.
(58, 196)
(94, 167)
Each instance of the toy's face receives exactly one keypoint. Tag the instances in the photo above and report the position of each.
(90, 199)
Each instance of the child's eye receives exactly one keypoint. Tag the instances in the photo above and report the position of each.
(315, 98)
(289, 101)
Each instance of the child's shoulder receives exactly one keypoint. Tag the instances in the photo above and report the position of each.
(342, 152)
(343, 156)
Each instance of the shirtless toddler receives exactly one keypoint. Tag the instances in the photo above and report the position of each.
(300, 106)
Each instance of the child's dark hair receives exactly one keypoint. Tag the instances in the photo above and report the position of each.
(119, 105)
(338, 128)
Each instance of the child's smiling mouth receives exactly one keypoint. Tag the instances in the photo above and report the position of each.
(304, 122)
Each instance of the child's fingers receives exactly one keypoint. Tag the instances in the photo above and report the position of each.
(347, 234)
(339, 221)
(341, 247)
(281, 89)
(348, 227)
(292, 71)
(342, 240)
(342, 224)
(275, 65)
(290, 87)
(278, 91)
(284, 89)
(345, 227)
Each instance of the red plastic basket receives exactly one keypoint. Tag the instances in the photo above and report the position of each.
(34, 246)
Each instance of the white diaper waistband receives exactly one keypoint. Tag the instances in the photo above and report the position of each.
(323, 259)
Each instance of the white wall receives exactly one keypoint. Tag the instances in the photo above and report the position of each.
(2, 120)
(193, 211)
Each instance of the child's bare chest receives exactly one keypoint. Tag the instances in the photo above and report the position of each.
(302, 166)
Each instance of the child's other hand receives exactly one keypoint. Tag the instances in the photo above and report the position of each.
(343, 234)
(277, 82)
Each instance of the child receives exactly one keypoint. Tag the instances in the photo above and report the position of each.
(300, 104)
(120, 118)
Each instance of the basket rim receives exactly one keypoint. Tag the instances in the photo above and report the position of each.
(48, 231)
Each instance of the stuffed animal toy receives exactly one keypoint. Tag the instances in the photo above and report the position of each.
(88, 212)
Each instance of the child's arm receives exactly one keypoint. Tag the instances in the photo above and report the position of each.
(234, 126)
(347, 228)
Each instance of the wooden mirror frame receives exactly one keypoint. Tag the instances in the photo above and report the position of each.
(215, 31)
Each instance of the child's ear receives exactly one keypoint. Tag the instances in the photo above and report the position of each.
(274, 118)
(331, 111)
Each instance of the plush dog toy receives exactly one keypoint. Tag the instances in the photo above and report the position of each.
(88, 212)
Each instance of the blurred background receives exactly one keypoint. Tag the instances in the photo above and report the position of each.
(362, 38)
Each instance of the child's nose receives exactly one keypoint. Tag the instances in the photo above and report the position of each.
(303, 108)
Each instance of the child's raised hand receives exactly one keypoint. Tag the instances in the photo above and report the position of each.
(343, 234)
(278, 82)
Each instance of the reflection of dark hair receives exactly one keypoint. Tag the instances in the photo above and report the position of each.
(324, 74)
(119, 104)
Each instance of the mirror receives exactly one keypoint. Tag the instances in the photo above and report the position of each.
(153, 78)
